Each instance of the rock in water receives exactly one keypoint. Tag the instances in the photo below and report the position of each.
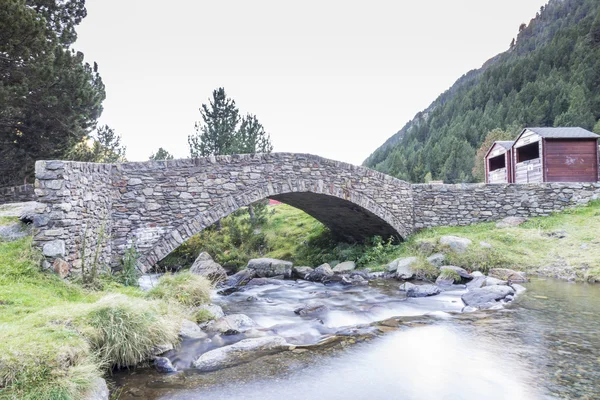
(311, 310)
(164, 365)
(231, 324)
(455, 243)
(191, 330)
(344, 268)
(301, 272)
(402, 267)
(486, 294)
(343, 279)
(506, 274)
(241, 277)
(240, 352)
(323, 271)
(419, 290)
(265, 281)
(476, 283)
(205, 266)
(270, 267)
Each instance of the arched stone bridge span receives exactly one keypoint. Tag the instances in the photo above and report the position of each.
(156, 206)
(99, 211)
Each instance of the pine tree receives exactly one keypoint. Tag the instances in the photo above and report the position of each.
(161, 154)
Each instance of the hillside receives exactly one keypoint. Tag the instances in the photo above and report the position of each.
(549, 77)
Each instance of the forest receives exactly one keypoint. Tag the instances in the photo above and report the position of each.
(549, 76)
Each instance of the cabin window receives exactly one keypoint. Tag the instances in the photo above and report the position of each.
(529, 152)
(497, 163)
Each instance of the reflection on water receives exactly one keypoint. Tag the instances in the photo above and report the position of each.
(546, 346)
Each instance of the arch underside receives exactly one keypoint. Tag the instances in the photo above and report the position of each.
(346, 220)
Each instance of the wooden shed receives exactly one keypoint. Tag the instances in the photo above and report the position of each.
(498, 163)
(555, 155)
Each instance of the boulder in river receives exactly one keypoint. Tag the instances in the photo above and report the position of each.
(321, 272)
(476, 283)
(413, 290)
(207, 267)
(506, 274)
(240, 352)
(241, 278)
(491, 281)
(487, 294)
(191, 330)
(402, 267)
(312, 310)
(343, 279)
(344, 267)
(270, 267)
(164, 365)
(231, 324)
(301, 272)
(455, 243)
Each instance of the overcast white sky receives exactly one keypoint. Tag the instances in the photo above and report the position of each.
(331, 77)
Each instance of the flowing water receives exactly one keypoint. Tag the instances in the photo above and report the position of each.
(545, 345)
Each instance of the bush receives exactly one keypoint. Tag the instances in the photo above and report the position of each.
(477, 258)
(124, 331)
(186, 288)
(201, 316)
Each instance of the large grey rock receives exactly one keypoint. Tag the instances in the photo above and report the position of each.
(343, 279)
(191, 330)
(323, 271)
(241, 278)
(98, 390)
(207, 267)
(455, 243)
(487, 294)
(301, 272)
(240, 352)
(311, 310)
(490, 281)
(345, 267)
(231, 324)
(55, 248)
(14, 231)
(518, 288)
(164, 365)
(437, 260)
(506, 274)
(402, 267)
(419, 290)
(476, 283)
(426, 246)
(270, 267)
(510, 221)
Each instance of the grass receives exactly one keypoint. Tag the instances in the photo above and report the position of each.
(56, 337)
(188, 289)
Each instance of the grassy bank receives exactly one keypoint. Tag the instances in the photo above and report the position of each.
(565, 245)
(57, 337)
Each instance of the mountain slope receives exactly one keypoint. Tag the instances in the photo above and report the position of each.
(550, 77)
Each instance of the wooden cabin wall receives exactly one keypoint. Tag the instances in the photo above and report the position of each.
(528, 171)
(569, 160)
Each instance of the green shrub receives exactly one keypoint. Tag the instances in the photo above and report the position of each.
(184, 287)
(477, 258)
(424, 270)
(129, 274)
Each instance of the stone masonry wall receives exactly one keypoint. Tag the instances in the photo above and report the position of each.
(17, 194)
(163, 203)
(452, 205)
(75, 216)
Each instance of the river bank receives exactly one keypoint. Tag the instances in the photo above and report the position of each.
(50, 337)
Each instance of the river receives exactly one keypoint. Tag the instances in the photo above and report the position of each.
(545, 345)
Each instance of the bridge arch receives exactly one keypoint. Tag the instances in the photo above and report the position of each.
(352, 216)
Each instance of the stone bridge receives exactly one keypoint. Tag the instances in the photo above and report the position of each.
(98, 211)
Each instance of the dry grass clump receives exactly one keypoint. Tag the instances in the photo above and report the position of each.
(186, 288)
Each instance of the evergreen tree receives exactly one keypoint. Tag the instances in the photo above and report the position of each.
(50, 98)
(161, 154)
(105, 148)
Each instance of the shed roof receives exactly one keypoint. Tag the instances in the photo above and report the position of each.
(507, 144)
(564, 133)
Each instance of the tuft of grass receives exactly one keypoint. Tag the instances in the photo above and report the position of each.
(123, 331)
(202, 316)
(450, 274)
(424, 270)
(186, 288)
